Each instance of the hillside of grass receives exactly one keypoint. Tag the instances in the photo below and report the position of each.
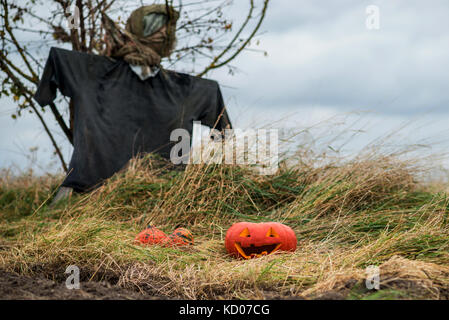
(347, 215)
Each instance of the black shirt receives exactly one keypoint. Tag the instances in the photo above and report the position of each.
(118, 116)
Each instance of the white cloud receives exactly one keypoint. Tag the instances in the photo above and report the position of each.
(322, 63)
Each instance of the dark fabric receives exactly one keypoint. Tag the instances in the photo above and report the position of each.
(118, 116)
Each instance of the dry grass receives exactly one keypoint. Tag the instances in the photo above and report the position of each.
(347, 215)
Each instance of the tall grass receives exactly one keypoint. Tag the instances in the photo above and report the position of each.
(347, 214)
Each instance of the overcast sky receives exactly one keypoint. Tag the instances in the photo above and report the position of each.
(323, 63)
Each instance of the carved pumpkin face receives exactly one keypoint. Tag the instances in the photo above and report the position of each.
(249, 240)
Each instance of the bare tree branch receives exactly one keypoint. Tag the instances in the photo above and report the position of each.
(28, 98)
(215, 63)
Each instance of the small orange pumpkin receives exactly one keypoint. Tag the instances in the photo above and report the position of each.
(151, 235)
(249, 240)
(179, 237)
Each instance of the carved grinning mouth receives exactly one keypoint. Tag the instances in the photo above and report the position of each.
(256, 251)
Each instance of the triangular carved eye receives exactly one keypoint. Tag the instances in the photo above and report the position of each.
(272, 233)
(245, 233)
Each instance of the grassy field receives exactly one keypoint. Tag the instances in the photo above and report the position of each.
(373, 210)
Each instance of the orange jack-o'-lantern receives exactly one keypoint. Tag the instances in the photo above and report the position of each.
(249, 240)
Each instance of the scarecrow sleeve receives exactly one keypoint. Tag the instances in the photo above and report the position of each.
(216, 116)
(65, 70)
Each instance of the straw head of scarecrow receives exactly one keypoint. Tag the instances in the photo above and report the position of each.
(148, 37)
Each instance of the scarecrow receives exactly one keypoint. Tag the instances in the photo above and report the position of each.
(125, 103)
